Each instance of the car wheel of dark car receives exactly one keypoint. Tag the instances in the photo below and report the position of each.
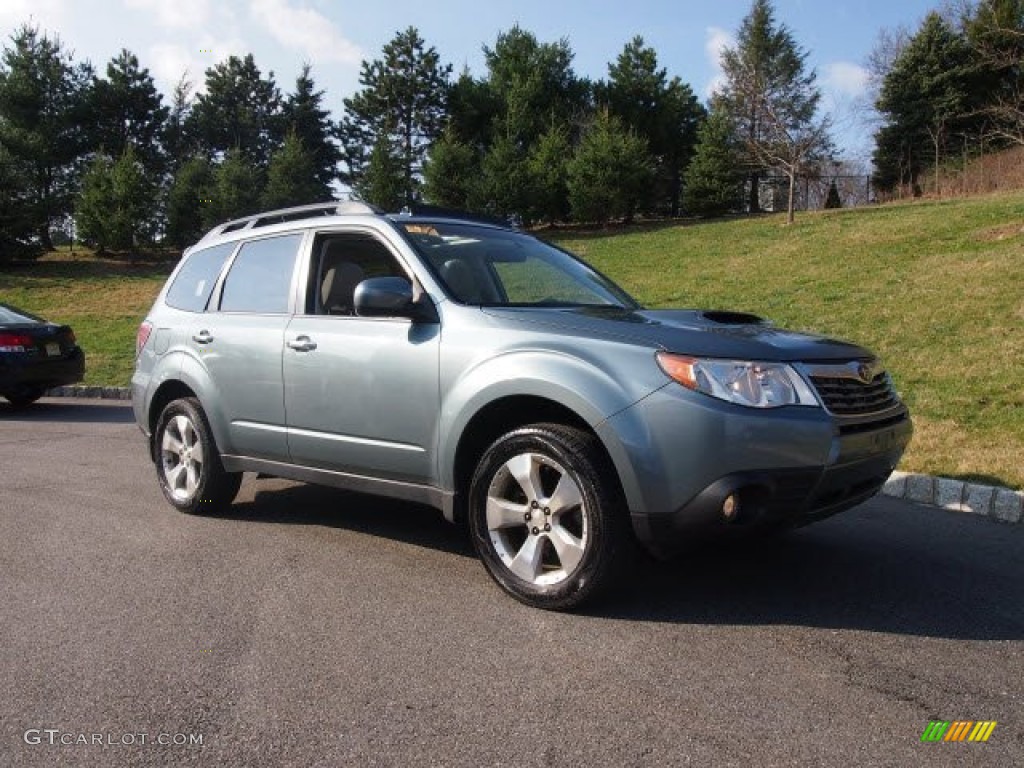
(546, 518)
(24, 397)
(188, 463)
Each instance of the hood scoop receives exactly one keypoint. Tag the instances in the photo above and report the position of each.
(722, 317)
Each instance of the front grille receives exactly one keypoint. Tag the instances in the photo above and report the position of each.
(845, 396)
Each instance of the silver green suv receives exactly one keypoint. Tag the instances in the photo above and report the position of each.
(479, 370)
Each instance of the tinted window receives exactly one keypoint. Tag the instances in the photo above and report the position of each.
(194, 283)
(261, 276)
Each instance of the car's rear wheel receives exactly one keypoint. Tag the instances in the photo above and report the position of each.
(25, 396)
(188, 463)
(547, 517)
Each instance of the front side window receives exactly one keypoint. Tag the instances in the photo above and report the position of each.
(496, 267)
(260, 278)
(194, 282)
(340, 262)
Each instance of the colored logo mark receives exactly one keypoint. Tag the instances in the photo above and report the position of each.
(958, 730)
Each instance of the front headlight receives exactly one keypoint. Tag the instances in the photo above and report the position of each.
(755, 385)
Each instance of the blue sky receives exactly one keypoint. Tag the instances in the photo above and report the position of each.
(335, 35)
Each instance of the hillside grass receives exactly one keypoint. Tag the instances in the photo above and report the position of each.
(935, 287)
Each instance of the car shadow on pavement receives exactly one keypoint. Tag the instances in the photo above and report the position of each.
(884, 567)
(887, 566)
(282, 502)
(75, 411)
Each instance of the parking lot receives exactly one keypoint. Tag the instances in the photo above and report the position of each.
(311, 627)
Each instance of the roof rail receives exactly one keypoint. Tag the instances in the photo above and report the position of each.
(296, 213)
(440, 211)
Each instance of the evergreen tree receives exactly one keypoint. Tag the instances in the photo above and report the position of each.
(451, 173)
(17, 227)
(188, 198)
(178, 141)
(773, 99)
(832, 199)
(115, 209)
(235, 191)
(924, 100)
(305, 116)
(42, 119)
(548, 168)
(239, 110)
(664, 112)
(398, 113)
(610, 172)
(291, 177)
(127, 110)
(714, 180)
(383, 181)
(505, 180)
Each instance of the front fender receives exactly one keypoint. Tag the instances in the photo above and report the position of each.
(588, 391)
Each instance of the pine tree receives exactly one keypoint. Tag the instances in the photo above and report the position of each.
(714, 180)
(42, 129)
(505, 180)
(397, 115)
(115, 209)
(924, 100)
(188, 198)
(235, 191)
(548, 169)
(239, 110)
(291, 177)
(178, 141)
(382, 182)
(305, 116)
(664, 112)
(128, 110)
(773, 99)
(610, 172)
(16, 224)
(451, 173)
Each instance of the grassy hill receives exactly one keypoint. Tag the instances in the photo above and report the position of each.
(935, 287)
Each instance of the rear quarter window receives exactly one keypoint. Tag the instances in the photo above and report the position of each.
(194, 282)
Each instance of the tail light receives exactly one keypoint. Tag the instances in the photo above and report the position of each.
(142, 336)
(15, 342)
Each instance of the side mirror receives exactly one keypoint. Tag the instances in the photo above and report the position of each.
(392, 297)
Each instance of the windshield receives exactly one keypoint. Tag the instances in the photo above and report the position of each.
(498, 268)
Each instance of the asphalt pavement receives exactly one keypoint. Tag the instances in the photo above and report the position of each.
(311, 627)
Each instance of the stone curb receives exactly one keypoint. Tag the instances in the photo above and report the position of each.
(1001, 504)
(94, 393)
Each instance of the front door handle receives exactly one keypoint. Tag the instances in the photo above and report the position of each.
(203, 337)
(302, 344)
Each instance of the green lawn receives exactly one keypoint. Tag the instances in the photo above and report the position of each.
(937, 288)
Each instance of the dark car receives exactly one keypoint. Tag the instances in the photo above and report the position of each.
(35, 355)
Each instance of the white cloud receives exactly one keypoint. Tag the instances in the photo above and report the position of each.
(177, 14)
(50, 15)
(716, 40)
(168, 62)
(304, 29)
(846, 78)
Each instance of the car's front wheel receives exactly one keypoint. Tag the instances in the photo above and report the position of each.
(188, 463)
(547, 517)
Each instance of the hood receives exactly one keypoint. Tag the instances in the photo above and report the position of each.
(702, 333)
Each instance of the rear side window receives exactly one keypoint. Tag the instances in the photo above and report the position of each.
(260, 278)
(194, 283)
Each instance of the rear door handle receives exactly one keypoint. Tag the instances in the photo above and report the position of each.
(203, 337)
(302, 344)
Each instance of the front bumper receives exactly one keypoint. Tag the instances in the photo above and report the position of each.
(685, 454)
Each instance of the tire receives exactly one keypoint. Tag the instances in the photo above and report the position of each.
(188, 464)
(577, 540)
(24, 397)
